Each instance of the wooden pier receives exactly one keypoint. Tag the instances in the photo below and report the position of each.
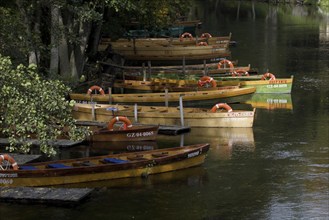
(56, 196)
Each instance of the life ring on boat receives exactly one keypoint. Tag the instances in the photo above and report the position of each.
(9, 159)
(186, 34)
(221, 106)
(206, 35)
(269, 76)
(125, 120)
(99, 89)
(202, 44)
(206, 80)
(240, 73)
(222, 62)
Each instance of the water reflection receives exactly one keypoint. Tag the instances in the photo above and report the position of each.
(271, 101)
(224, 142)
(194, 176)
(106, 147)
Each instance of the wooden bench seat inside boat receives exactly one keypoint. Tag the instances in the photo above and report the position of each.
(57, 165)
(113, 160)
(83, 163)
(137, 157)
(161, 154)
(27, 168)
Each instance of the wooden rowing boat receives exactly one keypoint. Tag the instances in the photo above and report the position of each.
(126, 132)
(169, 72)
(164, 53)
(193, 117)
(108, 167)
(277, 85)
(157, 85)
(162, 97)
(191, 70)
(178, 41)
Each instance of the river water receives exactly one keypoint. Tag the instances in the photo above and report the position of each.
(279, 169)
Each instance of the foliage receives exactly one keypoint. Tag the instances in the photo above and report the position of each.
(32, 106)
(12, 41)
(324, 3)
(143, 14)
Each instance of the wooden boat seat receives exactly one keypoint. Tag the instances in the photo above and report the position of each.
(83, 163)
(161, 154)
(113, 160)
(113, 109)
(57, 165)
(27, 168)
(137, 157)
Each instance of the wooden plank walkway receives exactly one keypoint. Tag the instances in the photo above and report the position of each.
(57, 196)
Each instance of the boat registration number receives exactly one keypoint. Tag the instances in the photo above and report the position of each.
(140, 134)
(193, 154)
(277, 86)
(5, 178)
(240, 114)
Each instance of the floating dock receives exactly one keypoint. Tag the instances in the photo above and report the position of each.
(56, 196)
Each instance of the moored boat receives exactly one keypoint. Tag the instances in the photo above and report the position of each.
(262, 85)
(163, 53)
(160, 85)
(184, 39)
(220, 115)
(126, 132)
(160, 97)
(107, 167)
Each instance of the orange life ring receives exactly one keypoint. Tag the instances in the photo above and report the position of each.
(269, 76)
(10, 160)
(125, 120)
(202, 44)
(206, 35)
(240, 73)
(101, 91)
(206, 80)
(222, 62)
(186, 34)
(221, 106)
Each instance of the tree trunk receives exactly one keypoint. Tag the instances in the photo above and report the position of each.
(54, 53)
(63, 50)
(33, 56)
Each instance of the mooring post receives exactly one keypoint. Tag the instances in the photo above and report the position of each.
(134, 43)
(149, 68)
(205, 68)
(93, 111)
(184, 65)
(110, 95)
(181, 110)
(182, 140)
(136, 112)
(144, 72)
(166, 97)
